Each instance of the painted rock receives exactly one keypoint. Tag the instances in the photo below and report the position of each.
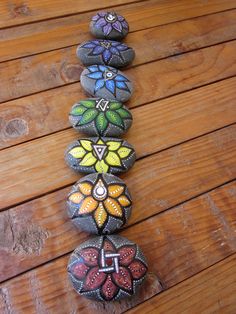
(109, 25)
(99, 203)
(107, 268)
(106, 52)
(107, 82)
(101, 155)
(99, 116)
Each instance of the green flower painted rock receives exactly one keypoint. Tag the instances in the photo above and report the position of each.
(100, 117)
(100, 154)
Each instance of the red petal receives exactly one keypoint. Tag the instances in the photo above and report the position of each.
(108, 246)
(138, 269)
(109, 289)
(123, 279)
(127, 254)
(94, 279)
(79, 270)
(90, 256)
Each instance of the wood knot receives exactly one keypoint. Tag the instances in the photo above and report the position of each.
(15, 128)
(71, 72)
(21, 10)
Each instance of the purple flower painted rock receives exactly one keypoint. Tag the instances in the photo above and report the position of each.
(106, 52)
(109, 25)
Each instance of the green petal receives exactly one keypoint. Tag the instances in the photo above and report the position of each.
(125, 114)
(124, 152)
(77, 152)
(114, 118)
(88, 160)
(88, 103)
(113, 105)
(87, 144)
(78, 110)
(113, 159)
(101, 167)
(113, 145)
(101, 123)
(88, 116)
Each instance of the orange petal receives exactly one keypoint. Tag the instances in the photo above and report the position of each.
(115, 190)
(85, 188)
(124, 201)
(76, 197)
(113, 207)
(88, 205)
(100, 215)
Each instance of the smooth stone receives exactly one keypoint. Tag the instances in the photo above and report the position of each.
(107, 268)
(100, 117)
(106, 82)
(103, 155)
(106, 52)
(109, 25)
(99, 203)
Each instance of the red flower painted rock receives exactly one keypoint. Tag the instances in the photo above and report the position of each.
(107, 268)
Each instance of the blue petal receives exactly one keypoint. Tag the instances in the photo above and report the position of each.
(88, 45)
(122, 47)
(93, 68)
(115, 43)
(114, 51)
(110, 85)
(95, 75)
(121, 78)
(98, 49)
(122, 85)
(99, 84)
(106, 55)
(102, 68)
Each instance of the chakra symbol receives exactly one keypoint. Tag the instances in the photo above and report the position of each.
(102, 104)
(109, 262)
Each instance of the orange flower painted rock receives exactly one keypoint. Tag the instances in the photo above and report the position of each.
(99, 203)
(107, 268)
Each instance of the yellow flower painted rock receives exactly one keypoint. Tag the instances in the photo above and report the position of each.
(102, 155)
(99, 203)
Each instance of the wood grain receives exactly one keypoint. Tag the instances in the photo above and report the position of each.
(216, 286)
(186, 240)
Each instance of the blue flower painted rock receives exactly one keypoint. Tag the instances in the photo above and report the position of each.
(106, 82)
(106, 52)
(109, 25)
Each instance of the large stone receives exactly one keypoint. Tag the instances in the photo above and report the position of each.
(109, 25)
(99, 203)
(107, 268)
(106, 82)
(106, 52)
(103, 155)
(100, 117)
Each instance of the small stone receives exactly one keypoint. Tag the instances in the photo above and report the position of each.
(106, 52)
(109, 25)
(100, 154)
(99, 203)
(106, 82)
(100, 117)
(107, 268)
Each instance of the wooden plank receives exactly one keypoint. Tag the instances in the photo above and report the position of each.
(211, 291)
(185, 240)
(167, 40)
(176, 175)
(199, 111)
(160, 78)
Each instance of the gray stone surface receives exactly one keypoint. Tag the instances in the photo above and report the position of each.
(99, 203)
(106, 52)
(106, 82)
(109, 25)
(100, 117)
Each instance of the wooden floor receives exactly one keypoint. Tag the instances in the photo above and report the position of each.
(184, 132)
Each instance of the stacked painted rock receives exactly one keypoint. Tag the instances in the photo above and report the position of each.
(106, 267)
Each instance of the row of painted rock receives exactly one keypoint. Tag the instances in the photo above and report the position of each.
(108, 267)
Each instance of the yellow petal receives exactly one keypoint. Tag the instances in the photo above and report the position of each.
(113, 159)
(113, 207)
(85, 188)
(115, 190)
(100, 215)
(101, 167)
(88, 160)
(100, 142)
(77, 152)
(86, 144)
(76, 197)
(124, 201)
(124, 152)
(113, 145)
(88, 205)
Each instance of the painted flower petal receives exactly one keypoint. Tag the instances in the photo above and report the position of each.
(124, 152)
(121, 78)
(88, 45)
(124, 201)
(100, 215)
(109, 289)
(103, 68)
(123, 279)
(99, 84)
(79, 270)
(90, 256)
(138, 269)
(106, 55)
(101, 123)
(97, 50)
(113, 145)
(95, 17)
(113, 207)
(122, 85)
(117, 25)
(85, 188)
(95, 75)
(88, 205)
(125, 24)
(78, 110)
(127, 254)
(115, 190)
(121, 47)
(88, 103)
(87, 144)
(110, 85)
(114, 51)
(107, 29)
(101, 166)
(113, 159)
(100, 22)
(120, 18)
(114, 118)
(88, 116)
(108, 246)
(88, 160)
(76, 197)
(92, 68)
(77, 152)
(94, 279)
